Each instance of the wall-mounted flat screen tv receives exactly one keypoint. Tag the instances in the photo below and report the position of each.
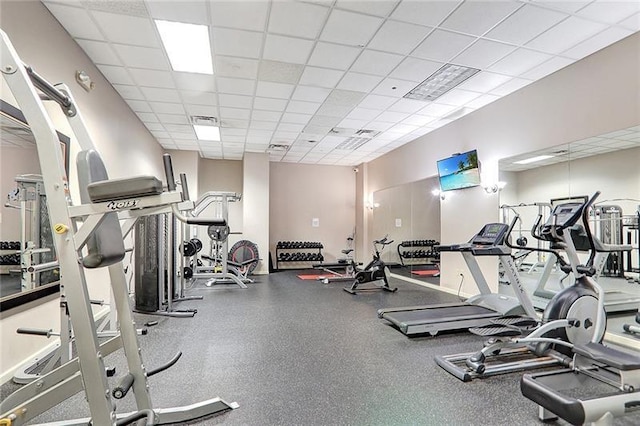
(459, 171)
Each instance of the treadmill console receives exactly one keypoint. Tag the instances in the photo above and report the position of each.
(492, 234)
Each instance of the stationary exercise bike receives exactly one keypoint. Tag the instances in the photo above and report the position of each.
(375, 271)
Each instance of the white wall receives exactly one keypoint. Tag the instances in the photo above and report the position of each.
(301, 192)
(582, 100)
(125, 144)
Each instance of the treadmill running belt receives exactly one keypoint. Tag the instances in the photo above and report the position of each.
(439, 313)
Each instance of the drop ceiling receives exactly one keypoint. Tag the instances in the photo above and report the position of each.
(288, 73)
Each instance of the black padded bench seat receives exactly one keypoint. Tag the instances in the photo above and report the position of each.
(617, 359)
(118, 189)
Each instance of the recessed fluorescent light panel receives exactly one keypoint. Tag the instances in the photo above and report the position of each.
(187, 46)
(207, 133)
(533, 159)
(440, 82)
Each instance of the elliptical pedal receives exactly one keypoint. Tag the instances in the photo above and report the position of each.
(506, 326)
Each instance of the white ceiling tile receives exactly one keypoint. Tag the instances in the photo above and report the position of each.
(407, 105)
(564, 35)
(152, 78)
(310, 94)
(198, 98)
(288, 131)
(116, 75)
(234, 113)
(597, 42)
(375, 7)
(287, 49)
(233, 132)
(429, 13)
(129, 92)
(632, 22)
(377, 63)
(458, 97)
(160, 95)
(333, 110)
(274, 90)
(379, 125)
(377, 102)
(227, 66)
(483, 53)
(525, 24)
(519, 61)
(359, 82)
(565, 6)
(414, 69)
(147, 117)
(279, 72)
(160, 134)
(350, 28)
(351, 123)
(609, 11)
(205, 110)
(364, 114)
(297, 19)
(482, 100)
(321, 77)
(263, 125)
(99, 52)
(398, 37)
(546, 68)
(76, 21)
(181, 128)
(173, 118)
(437, 110)
(442, 45)
(333, 55)
(260, 115)
(139, 106)
(235, 101)
(127, 29)
(235, 86)
(418, 120)
(484, 81)
(476, 17)
(394, 87)
(303, 107)
(196, 82)
(392, 117)
(404, 128)
(323, 122)
(192, 12)
(167, 108)
(295, 118)
(237, 43)
(142, 57)
(181, 137)
(269, 104)
(248, 15)
(510, 86)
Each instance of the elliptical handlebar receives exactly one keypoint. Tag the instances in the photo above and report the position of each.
(587, 229)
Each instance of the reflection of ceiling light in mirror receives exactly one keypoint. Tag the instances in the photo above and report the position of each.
(187, 46)
(533, 159)
(440, 82)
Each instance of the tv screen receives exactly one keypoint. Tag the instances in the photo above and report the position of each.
(459, 171)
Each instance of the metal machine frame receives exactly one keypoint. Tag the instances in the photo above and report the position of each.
(86, 371)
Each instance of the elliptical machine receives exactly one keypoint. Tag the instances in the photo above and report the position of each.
(375, 271)
(574, 316)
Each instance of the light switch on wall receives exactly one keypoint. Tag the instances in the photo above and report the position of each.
(398, 223)
(315, 222)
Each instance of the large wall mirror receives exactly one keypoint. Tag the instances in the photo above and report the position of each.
(409, 214)
(28, 266)
(608, 163)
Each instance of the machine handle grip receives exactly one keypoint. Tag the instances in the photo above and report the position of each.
(163, 367)
(122, 388)
(168, 171)
(35, 331)
(185, 187)
(587, 229)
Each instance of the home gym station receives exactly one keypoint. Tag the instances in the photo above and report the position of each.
(173, 231)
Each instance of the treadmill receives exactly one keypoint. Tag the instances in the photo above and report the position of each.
(479, 310)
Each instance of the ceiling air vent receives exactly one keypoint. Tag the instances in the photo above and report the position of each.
(204, 120)
(357, 139)
(275, 147)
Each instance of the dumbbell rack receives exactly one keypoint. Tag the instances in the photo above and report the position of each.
(9, 256)
(306, 252)
(417, 252)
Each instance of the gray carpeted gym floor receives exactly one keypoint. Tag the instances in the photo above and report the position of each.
(294, 352)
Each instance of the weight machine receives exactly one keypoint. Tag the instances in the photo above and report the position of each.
(90, 236)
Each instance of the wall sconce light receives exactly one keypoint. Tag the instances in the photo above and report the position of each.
(436, 192)
(496, 187)
(370, 204)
